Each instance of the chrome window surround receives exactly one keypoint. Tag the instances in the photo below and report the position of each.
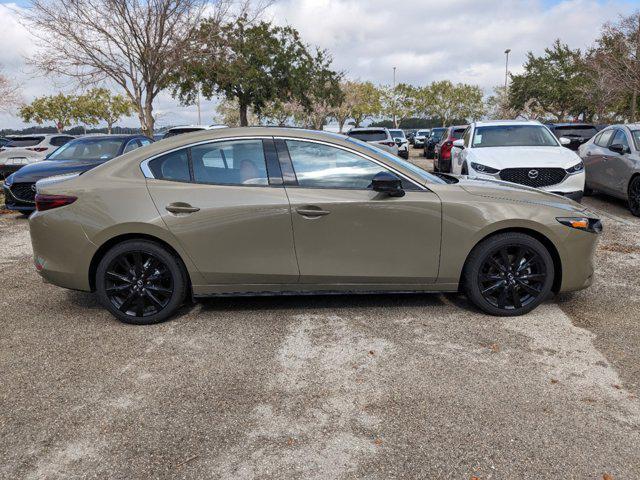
(146, 171)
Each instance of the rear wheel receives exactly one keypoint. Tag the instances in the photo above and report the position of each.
(141, 282)
(464, 170)
(634, 196)
(508, 274)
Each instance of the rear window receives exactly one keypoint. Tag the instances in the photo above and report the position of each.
(397, 133)
(369, 135)
(437, 133)
(179, 131)
(88, 149)
(582, 131)
(25, 142)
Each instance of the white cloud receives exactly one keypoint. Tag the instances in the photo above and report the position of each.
(460, 40)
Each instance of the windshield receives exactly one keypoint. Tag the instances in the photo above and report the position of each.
(582, 131)
(88, 149)
(397, 133)
(437, 133)
(513, 136)
(422, 174)
(422, 132)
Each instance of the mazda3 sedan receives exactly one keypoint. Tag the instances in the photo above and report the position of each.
(257, 211)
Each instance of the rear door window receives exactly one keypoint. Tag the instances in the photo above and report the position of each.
(238, 162)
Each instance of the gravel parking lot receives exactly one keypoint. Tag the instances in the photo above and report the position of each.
(381, 386)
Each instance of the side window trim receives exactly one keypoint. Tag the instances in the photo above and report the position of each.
(287, 158)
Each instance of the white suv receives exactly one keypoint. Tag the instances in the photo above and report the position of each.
(378, 136)
(25, 149)
(524, 152)
(401, 140)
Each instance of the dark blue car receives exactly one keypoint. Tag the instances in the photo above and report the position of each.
(77, 156)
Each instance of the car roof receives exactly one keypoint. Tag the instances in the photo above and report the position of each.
(495, 123)
(202, 127)
(572, 124)
(362, 129)
(113, 136)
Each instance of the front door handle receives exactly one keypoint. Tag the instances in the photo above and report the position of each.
(181, 207)
(311, 212)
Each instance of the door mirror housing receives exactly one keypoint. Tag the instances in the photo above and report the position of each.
(618, 148)
(398, 141)
(387, 182)
(459, 143)
(564, 141)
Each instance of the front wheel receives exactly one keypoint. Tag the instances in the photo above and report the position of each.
(634, 196)
(508, 274)
(464, 170)
(141, 282)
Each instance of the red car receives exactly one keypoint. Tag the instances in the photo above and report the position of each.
(442, 160)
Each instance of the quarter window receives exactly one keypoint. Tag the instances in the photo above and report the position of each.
(172, 166)
(238, 162)
(132, 145)
(322, 166)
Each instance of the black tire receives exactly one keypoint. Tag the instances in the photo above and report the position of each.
(141, 282)
(464, 170)
(587, 192)
(511, 291)
(634, 196)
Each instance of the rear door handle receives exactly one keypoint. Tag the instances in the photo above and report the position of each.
(311, 212)
(181, 207)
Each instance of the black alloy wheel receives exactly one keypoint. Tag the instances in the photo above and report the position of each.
(634, 196)
(140, 282)
(509, 274)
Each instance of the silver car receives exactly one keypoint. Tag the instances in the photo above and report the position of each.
(612, 163)
(378, 136)
(26, 149)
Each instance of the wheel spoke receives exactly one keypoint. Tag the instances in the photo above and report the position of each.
(159, 289)
(528, 288)
(504, 256)
(137, 262)
(493, 287)
(515, 298)
(124, 307)
(118, 288)
(489, 277)
(118, 278)
(502, 298)
(140, 306)
(532, 276)
(154, 300)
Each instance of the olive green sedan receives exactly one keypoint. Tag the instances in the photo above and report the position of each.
(257, 211)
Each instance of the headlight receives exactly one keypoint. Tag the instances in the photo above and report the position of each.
(8, 181)
(578, 167)
(478, 167)
(592, 225)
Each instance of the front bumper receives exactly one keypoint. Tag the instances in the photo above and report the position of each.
(570, 186)
(15, 204)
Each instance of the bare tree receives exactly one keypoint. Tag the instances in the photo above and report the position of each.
(132, 43)
(9, 94)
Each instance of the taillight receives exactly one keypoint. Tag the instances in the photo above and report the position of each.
(445, 151)
(47, 202)
(37, 149)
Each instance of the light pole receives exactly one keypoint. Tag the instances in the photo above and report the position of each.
(395, 125)
(506, 69)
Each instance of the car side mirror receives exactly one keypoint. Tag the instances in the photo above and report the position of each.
(459, 143)
(398, 141)
(387, 182)
(618, 148)
(564, 141)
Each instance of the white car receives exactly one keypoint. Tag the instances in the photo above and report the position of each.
(402, 142)
(25, 149)
(378, 136)
(524, 152)
(420, 137)
(173, 131)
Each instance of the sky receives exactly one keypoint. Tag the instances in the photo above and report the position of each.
(459, 40)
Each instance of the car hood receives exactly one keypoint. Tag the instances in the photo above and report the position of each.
(518, 193)
(523, 157)
(49, 168)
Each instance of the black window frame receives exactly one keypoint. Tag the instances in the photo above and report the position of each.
(274, 174)
(291, 179)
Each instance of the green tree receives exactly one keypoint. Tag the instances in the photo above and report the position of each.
(102, 105)
(360, 101)
(60, 109)
(251, 63)
(554, 80)
(400, 102)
